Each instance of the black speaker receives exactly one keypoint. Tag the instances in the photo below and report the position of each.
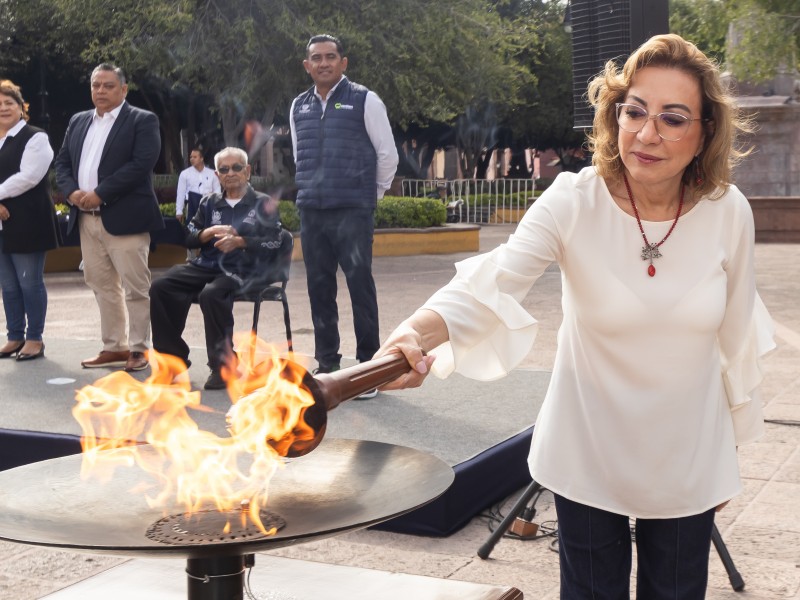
(604, 30)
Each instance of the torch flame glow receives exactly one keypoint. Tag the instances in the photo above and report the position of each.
(195, 468)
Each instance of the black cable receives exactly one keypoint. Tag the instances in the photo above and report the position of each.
(789, 422)
(495, 516)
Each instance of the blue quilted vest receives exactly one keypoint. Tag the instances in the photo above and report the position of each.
(336, 162)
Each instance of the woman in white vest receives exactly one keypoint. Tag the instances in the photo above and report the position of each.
(28, 226)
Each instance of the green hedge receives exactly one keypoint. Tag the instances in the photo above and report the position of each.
(392, 211)
(167, 208)
(290, 218)
(288, 212)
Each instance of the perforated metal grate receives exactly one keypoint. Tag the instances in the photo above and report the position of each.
(211, 527)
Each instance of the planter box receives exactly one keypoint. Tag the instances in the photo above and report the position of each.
(60, 260)
(168, 248)
(508, 215)
(166, 255)
(388, 242)
(431, 240)
(68, 258)
(408, 242)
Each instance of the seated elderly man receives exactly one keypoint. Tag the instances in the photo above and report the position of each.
(239, 235)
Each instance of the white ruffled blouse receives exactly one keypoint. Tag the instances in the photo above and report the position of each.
(654, 381)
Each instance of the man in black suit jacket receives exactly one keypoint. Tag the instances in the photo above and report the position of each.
(104, 169)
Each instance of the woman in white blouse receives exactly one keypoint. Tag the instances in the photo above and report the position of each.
(28, 227)
(655, 376)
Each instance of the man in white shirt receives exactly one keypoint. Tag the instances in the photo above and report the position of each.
(105, 170)
(194, 183)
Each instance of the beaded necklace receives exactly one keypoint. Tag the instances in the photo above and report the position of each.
(651, 251)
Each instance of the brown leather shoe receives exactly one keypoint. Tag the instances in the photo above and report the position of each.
(137, 361)
(107, 358)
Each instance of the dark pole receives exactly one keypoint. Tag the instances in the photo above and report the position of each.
(486, 549)
(216, 578)
(737, 583)
(45, 115)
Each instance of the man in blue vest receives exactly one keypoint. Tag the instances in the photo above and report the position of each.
(346, 159)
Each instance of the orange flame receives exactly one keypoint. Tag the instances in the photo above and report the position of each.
(197, 468)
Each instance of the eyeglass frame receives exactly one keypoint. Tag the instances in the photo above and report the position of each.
(235, 167)
(657, 118)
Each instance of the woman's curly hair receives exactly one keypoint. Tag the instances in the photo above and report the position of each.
(722, 121)
(12, 90)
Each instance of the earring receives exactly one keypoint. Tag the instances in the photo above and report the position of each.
(698, 171)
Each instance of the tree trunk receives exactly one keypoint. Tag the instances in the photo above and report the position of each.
(518, 169)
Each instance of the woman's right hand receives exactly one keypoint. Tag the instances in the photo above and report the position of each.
(423, 330)
(4, 214)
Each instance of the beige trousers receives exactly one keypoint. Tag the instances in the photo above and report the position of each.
(115, 268)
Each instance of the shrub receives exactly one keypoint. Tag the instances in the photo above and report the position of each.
(272, 185)
(290, 218)
(394, 211)
(165, 187)
(55, 193)
(165, 180)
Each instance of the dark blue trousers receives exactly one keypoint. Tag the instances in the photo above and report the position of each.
(595, 555)
(171, 298)
(333, 238)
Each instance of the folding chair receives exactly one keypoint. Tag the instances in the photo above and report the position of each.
(272, 287)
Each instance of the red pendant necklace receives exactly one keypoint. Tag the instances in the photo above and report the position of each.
(651, 251)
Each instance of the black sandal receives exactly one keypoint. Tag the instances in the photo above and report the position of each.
(14, 352)
(30, 356)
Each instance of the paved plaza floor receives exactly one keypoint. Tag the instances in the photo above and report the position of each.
(761, 527)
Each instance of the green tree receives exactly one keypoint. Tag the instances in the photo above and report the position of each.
(474, 73)
(453, 67)
(755, 56)
(703, 22)
(787, 10)
(30, 30)
(246, 55)
(545, 120)
(766, 33)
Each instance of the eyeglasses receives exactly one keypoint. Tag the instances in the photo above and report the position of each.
(669, 126)
(236, 168)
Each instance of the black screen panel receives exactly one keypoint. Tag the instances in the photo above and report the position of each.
(604, 30)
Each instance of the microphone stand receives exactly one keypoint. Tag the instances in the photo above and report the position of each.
(737, 583)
